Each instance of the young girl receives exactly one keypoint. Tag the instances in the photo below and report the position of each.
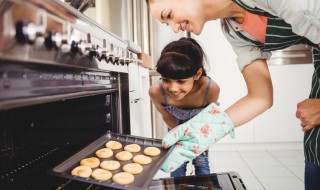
(183, 90)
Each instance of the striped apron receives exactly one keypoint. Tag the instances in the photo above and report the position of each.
(279, 35)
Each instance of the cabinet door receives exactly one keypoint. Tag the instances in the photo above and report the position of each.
(135, 118)
(291, 84)
(134, 81)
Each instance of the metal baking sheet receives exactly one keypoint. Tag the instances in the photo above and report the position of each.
(141, 181)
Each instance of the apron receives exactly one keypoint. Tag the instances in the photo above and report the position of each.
(279, 35)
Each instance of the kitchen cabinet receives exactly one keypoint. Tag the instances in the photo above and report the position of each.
(140, 108)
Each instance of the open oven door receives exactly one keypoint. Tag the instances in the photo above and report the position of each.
(214, 181)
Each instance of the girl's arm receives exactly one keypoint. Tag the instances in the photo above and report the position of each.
(259, 96)
(156, 98)
(214, 92)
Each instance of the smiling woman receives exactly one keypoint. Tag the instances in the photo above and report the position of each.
(187, 18)
(287, 24)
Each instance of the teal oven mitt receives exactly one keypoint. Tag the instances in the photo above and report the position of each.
(195, 136)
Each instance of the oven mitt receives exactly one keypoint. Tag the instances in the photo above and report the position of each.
(195, 136)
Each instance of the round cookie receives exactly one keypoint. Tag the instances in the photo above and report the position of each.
(152, 151)
(114, 145)
(142, 159)
(101, 174)
(132, 168)
(123, 178)
(82, 171)
(110, 165)
(124, 155)
(92, 162)
(104, 153)
(132, 148)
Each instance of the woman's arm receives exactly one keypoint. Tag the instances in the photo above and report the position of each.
(259, 97)
(156, 98)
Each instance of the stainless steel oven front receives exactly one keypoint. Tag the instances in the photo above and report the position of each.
(63, 83)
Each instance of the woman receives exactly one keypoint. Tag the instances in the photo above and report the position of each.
(254, 28)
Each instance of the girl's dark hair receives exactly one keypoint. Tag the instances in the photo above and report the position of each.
(181, 59)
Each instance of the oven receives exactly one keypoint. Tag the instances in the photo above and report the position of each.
(64, 83)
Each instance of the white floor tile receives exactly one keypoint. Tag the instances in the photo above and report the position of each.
(292, 183)
(252, 183)
(291, 161)
(254, 154)
(262, 161)
(223, 154)
(226, 161)
(298, 171)
(270, 171)
(301, 152)
(285, 153)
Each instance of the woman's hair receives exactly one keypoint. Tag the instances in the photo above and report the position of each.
(181, 59)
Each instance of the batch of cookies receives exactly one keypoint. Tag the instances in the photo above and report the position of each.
(92, 167)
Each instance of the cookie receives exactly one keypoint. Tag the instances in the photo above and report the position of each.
(104, 153)
(114, 145)
(142, 159)
(152, 151)
(124, 155)
(132, 168)
(101, 174)
(82, 171)
(92, 162)
(123, 178)
(110, 165)
(132, 148)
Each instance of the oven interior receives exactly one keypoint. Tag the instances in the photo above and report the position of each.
(36, 138)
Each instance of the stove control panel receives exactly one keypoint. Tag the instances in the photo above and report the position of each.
(53, 32)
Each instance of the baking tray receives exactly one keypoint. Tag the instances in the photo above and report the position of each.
(141, 181)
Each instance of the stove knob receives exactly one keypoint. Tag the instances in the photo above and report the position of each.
(25, 32)
(110, 54)
(127, 60)
(116, 56)
(102, 51)
(94, 51)
(122, 57)
(53, 40)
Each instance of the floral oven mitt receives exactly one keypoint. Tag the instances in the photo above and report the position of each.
(196, 136)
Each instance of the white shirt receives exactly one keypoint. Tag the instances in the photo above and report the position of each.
(302, 15)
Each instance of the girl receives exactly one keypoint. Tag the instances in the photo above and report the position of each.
(183, 90)
(254, 28)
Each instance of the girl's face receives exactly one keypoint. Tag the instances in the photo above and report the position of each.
(181, 15)
(177, 89)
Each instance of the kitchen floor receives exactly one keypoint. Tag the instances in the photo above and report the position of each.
(260, 169)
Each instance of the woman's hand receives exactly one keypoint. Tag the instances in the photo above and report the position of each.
(308, 111)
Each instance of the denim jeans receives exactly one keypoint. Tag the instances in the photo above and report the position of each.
(311, 176)
(201, 165)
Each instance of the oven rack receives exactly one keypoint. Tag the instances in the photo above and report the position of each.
(27, 165)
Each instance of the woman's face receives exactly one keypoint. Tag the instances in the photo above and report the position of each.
(181, 15)
(177, 89)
